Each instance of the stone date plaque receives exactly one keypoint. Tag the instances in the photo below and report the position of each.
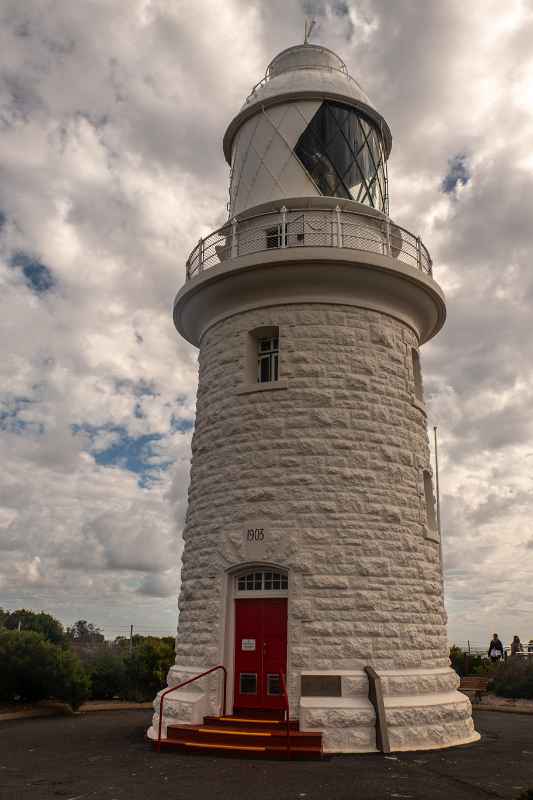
(321, 685)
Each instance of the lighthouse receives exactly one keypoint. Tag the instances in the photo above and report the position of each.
(312, 575)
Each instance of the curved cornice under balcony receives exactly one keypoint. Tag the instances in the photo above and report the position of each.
(328, 275)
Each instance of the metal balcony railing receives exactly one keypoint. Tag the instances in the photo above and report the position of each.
(310, 227)
(319, 67)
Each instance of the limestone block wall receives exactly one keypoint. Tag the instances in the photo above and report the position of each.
(330, 461)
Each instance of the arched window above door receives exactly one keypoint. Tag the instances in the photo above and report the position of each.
(262, 581)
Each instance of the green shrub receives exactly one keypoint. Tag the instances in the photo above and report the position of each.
(72, 683)
(35, 669)
(137, 675)
(457, 659)
(108, 676)
(482, 666)
(147, 667)
(467, 664)
(28, 665)
(514, 678)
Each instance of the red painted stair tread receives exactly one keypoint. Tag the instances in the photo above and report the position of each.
(234, 735)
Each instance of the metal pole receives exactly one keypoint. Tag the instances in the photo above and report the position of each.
(437, 490)
(437, 479)
(419, 252)
(309, 25)
(234, 237)
(387, 224)
(339, 226)
(283, 226)
(200, 255)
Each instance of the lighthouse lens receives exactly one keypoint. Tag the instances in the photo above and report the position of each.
(344, 155)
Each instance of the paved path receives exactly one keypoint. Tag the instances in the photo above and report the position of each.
(50, 709)
(104, 757)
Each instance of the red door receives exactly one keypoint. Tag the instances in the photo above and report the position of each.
(260, 652)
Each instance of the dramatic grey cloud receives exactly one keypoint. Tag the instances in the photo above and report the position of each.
(111, 119)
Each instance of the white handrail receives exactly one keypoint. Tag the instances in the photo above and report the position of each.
(311, 227)
(320, 67)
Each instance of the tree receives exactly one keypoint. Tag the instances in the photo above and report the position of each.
(72, 683)
(85, 633)
(108, 676)
(39, 622)
(147, 667)
(35, 669)
(514, 678)
(3, 617)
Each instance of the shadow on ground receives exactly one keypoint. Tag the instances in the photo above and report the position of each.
(104, 756)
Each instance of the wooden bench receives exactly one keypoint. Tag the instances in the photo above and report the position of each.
(474, 686)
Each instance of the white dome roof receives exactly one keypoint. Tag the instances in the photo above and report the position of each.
(305, 71)
(304, 55)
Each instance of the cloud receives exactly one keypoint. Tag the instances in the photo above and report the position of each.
(159, 585)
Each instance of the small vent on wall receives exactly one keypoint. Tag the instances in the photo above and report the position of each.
(417, 374)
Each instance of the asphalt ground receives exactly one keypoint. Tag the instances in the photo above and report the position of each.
(104, 757)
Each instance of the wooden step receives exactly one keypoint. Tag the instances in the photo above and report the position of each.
(260, 713)
(255, 738)
(243, 723)
(259, 736)
(257, 751)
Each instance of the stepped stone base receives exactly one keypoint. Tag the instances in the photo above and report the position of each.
(424, 710)
(348, 725)
(185, 706)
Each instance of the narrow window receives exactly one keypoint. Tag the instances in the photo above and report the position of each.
(262, 355)
(430, 504)
(267, 359)
(417, 374)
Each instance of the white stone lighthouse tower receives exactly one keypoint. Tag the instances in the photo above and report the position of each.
(312, 549)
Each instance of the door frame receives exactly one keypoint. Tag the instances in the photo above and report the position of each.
(229, 627)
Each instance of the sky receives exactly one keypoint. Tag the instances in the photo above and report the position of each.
(112, 114)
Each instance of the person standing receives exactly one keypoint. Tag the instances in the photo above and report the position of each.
(495, 649)
(516, 646)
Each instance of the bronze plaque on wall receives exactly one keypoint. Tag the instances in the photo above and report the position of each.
(321, 685)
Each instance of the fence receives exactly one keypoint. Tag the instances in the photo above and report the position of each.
(472, 650)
